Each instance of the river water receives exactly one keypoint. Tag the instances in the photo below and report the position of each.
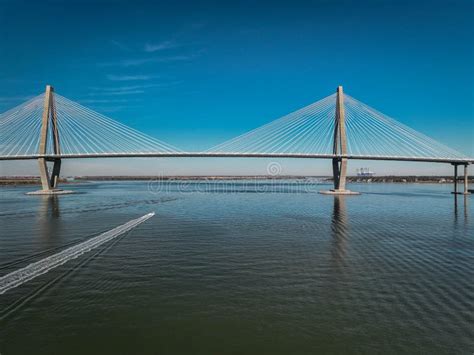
(241, 267)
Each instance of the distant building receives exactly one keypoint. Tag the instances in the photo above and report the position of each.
(363, 172)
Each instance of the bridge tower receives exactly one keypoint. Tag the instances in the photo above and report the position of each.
(339, 163)
(49, 183)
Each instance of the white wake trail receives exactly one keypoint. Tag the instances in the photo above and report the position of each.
(19, 277)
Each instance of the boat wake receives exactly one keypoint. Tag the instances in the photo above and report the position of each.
(19, 277)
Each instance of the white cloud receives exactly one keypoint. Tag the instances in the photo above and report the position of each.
(15, 98)
(120, 45)
(130, 77)
(106, 101)
(124, 92)
(140, 61)
(155, 47)
(132, 87)
(162, 59)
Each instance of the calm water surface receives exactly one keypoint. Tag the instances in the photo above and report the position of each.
(239, 267)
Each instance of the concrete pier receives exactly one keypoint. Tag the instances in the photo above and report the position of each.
(466, 180)
(466, 190)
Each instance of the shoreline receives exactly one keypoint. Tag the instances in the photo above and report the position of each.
(32, 180)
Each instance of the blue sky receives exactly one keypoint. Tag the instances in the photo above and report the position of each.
(195, 74)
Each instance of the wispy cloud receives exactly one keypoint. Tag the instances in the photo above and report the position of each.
(130, 77)
(155, 47)
(107, 101)
(156, 59)
(115, 91)
(140, 61)
(115, 108)
(124, 92)
(120, 45)
(133, 87)
(8, 99)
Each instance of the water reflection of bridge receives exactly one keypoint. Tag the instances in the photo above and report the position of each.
(49, 217)
(339, 229)
(461, 205)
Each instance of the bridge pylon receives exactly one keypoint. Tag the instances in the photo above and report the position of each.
(49, 129)
(339, 164)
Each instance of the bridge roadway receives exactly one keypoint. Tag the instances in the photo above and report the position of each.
(52, 157)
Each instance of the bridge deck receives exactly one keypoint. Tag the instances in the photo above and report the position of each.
(237, 155)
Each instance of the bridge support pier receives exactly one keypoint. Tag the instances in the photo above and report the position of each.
(339, 171)
(339, 165)
(55, 173)
(49, 182)
(466, 190)
(44, 175)
(455, 178)
(466, 180)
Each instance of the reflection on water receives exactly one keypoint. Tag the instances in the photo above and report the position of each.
(48, 217)
(339, 228)
(463, 201)
(49, 206)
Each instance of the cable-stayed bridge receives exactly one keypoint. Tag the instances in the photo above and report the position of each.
(50, 128)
